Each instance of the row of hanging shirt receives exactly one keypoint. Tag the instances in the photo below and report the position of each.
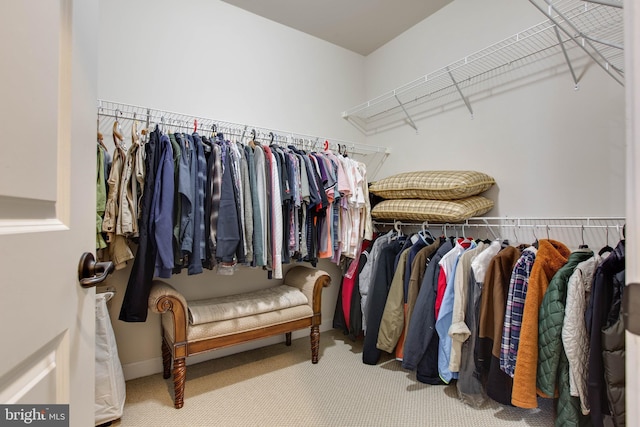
(493, 317)
(215, 203)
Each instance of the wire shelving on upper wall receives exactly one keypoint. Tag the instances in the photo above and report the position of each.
(575, 34)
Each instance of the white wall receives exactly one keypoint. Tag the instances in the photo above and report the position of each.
(553, 151)
(210, 59)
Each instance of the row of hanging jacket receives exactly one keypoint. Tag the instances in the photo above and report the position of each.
(193, 202)
(511, 323)
(119, 189)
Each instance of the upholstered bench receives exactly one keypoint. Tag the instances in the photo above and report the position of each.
(194, 327)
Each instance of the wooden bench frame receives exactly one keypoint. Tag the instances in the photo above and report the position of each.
(178, 349)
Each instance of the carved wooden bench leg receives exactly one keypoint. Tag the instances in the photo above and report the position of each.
(288, 338)
(166, 360)
(179, 377)
(315, 343)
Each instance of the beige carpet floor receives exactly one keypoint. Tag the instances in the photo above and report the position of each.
(278, 386)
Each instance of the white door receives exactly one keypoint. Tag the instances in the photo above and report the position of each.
(48, 92)
(632, 249)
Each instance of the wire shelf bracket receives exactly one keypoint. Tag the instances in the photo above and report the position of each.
(411, 123)
(464, 98)
(583, 40)
(566, 58)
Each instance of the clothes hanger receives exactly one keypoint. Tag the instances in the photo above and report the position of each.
(452, 238)
(144, 132)
(220, 134)
(118, 139)
(505, 243)
(535, 243)
(606, 249)
(100, 136)
(425, 231)
(583, 245)
(487, 240)
(207, 144)
(519, 245)
(101, 141)
(443, 237)
(478, 239)
(252, 142)
(135, 135)
(397, 226)
(244, 132)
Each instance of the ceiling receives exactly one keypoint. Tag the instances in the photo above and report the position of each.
(361, 26)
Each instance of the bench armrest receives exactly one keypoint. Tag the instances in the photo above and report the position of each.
(310, 281)
(164, 298)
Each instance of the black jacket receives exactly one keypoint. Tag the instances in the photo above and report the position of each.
(601, 315)
(382, 278)
(135, 305)
(613, 354)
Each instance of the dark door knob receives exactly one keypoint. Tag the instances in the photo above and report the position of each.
(90, 272)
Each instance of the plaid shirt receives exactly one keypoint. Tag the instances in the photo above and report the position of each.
(515, 307)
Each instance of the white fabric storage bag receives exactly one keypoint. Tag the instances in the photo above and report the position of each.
(110, 386)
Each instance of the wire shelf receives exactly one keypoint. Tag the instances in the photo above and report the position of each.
(575, 33)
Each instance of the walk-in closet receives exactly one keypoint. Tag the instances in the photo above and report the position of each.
(461, 175)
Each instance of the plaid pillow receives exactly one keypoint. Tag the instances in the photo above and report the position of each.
(432, 210)
(432, 185)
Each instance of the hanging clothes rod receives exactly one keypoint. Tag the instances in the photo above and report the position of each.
(188, 121)
(531, 223)
(518, 222)
(603, 223)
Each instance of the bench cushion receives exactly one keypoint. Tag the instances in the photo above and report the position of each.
(248, 323)
(242, 324)
(245, 304)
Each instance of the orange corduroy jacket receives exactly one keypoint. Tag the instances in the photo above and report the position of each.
(551, 256)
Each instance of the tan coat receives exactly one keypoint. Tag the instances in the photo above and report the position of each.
(119, 251)
(392, 322)
(494, 296)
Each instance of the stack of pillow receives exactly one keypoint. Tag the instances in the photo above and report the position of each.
(434, 196)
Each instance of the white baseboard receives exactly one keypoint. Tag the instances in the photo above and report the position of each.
(154, 366)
